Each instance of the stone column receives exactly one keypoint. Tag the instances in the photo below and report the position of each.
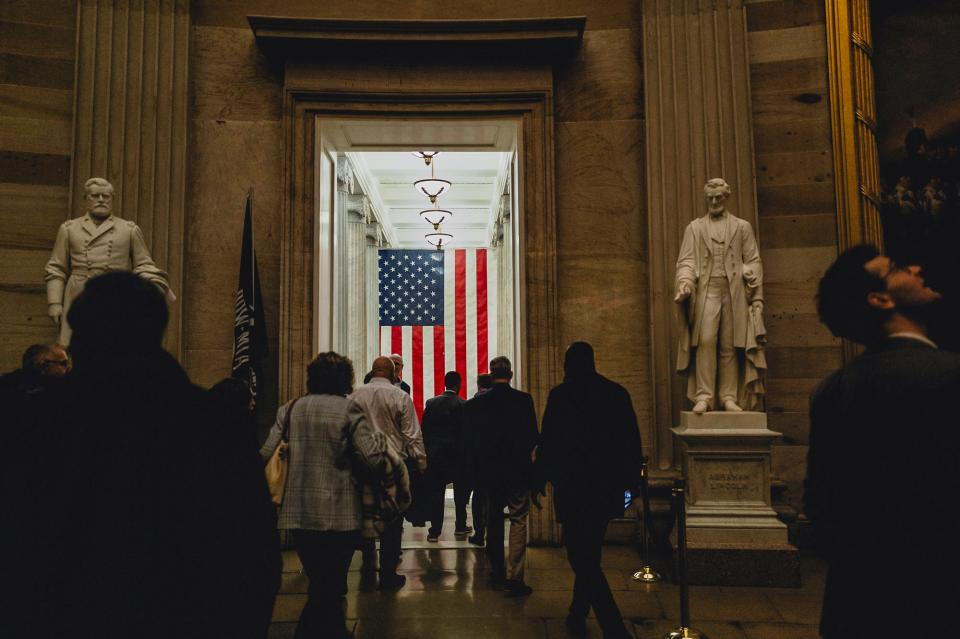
(698, 126)
(374, 240)
(357, 277)
(130, 121)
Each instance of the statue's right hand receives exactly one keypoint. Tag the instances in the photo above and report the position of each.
(683, 292)
(55, 311)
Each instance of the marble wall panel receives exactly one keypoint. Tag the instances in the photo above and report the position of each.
(786, 231)
(36, 102)
(797, 329)
(23, 266)
(784, 14)
(51, 12)
(604, 81)
(30, 214)
(50, 136)
(790, 394)
(208, 366)
(814, 198)
(796, 264)
(600, 199)
(788, 462)
(23, 321)
(803, 361)
(801, 167)
(803, 75)
(787, 44)
(230, 78)
(808, 134)
(789, 297)
(794, 425)
(32, 38)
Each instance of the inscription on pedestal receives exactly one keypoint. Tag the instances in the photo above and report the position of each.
(728, 481)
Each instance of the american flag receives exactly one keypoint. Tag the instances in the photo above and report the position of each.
(438, 311)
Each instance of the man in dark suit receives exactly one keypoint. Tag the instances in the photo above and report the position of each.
(442, 435)
(503, 434)
(590, 452)
(881, 481)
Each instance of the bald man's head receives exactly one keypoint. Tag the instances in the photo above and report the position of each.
(383, 367)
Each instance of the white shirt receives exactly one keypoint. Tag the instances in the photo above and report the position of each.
(917, 336)
(391, 411)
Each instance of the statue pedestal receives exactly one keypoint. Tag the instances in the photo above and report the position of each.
(733, 535)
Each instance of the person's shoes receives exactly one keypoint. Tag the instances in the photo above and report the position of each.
(496, 581)
(731, 406)
(391, 583)
(514, 588)
(462, 532)
(576, 625)
(476, 540)
(700, 407)
(433, 538)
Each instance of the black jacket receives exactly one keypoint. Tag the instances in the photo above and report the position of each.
(442, 428)
(501, 435)
(589, 447)
(882, 487)
(144, 515)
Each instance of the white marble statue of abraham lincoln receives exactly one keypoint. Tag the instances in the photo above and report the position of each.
(719, 290)
(91, 245)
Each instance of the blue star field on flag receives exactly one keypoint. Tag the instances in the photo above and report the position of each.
(411, 288)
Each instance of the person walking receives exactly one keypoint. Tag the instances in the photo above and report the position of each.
(442, 436)
(590, 451)
(503, 433)
(322, 503)
(390, 410)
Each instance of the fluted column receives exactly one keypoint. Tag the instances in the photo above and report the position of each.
(357, 283)
(130, 121)
(698, 126)
(374, 239)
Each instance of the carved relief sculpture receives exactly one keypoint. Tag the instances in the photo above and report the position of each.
(91, 245)
(719, 293)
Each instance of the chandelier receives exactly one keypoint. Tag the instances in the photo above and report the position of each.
(435, 217)
(438, 239)
(426, 156)
(433, 186)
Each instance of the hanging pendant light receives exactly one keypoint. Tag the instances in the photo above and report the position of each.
(436, 217)
(426, 156)
(438, 239)
(432, 187)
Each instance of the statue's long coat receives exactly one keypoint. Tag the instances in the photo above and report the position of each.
(741, 264)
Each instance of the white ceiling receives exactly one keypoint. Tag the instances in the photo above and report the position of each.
(473, 196)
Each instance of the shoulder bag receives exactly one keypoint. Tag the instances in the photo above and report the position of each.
(279, 461)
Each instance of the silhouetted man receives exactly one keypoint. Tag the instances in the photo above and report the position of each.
(590, 452)
(881, 471)
(443, 438)
(129, 526)
(503, 434)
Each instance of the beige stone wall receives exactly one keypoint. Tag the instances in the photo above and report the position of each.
(797, 227)
(236, 142)
(36, 131)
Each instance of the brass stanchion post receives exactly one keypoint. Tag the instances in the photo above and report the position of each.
(684, 631)
(646, 574)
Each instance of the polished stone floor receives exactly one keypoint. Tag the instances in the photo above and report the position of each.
(446, 597)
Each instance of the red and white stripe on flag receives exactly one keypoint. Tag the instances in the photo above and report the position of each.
(467, 340)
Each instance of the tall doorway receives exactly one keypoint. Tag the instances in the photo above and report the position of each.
(434, 280)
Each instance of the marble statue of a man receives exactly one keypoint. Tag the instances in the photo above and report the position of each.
(93, 244)
(719, 290)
